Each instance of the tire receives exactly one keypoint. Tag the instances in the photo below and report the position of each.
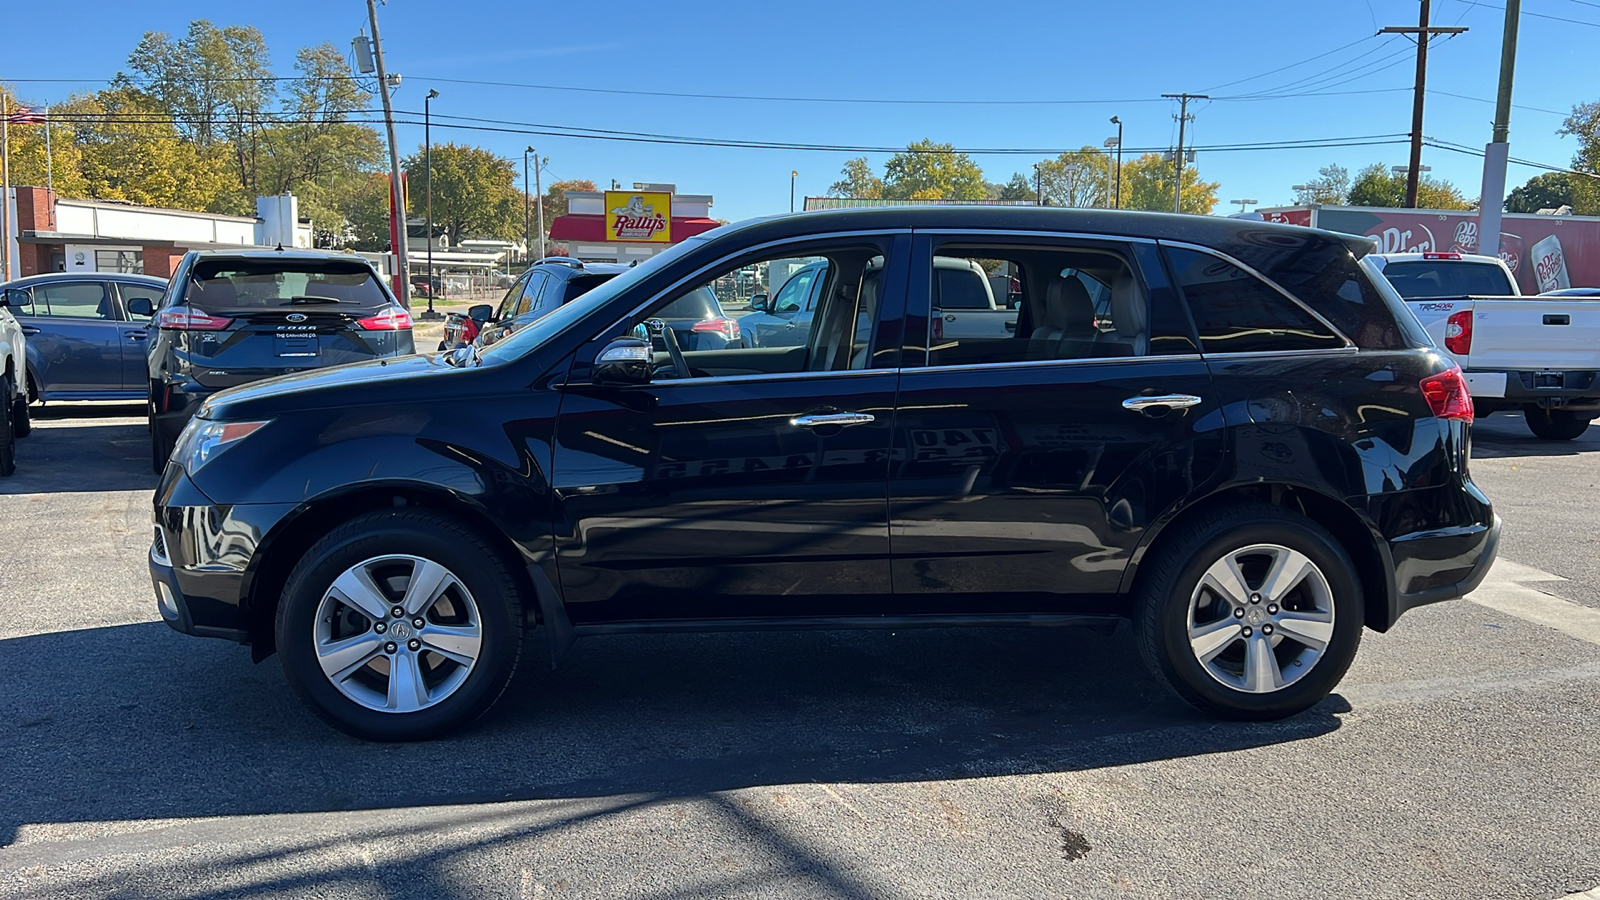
(1173, 605)
(160, 450)
(314, 622)
(21, 417)
(8, 435)
(1555, 424)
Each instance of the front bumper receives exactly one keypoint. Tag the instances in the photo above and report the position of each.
(203, 555)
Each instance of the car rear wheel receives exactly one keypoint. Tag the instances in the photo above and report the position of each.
(400, 625)
(1555, 424)
(1250, 612)
(8, 436)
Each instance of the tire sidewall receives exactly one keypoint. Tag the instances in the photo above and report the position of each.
(8, 436)
(1172, 611)
(385, 534)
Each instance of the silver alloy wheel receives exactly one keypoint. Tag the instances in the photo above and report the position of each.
(397, 633)
(1260, 618)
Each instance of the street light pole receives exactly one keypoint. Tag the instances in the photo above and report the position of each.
(793, 174)
(1243, 204)
(427, 156)
(1118, 122)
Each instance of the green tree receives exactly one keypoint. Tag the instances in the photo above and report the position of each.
(1147, 183)
(1330, 187)
(28, 166)
(474, 192)
(130, 150)
(1018, 188)
(857, 181)
(1377, 185)
(929, 171)
(363, 207)
(1548, 191)
(1076, 178)
(1584, 124)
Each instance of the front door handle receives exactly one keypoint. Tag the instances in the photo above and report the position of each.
(136, 335)
(839, 419)
(29, 330)
(1164, 401)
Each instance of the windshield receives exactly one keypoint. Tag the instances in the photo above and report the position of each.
(1429, 278)
(235, 285)
(569, 314)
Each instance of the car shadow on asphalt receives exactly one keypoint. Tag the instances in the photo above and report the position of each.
(83, 447)
(1504, 434)
(163, 726)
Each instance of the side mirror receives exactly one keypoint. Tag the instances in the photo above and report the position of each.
(626, 360)
(141, 306)
(480, 313)
(758, 303)
(5, 300)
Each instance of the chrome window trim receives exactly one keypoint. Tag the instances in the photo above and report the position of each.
(757, 377)
(1265, 354)
(1042, 363)
(1198, 248)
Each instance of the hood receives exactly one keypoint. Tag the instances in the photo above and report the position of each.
(377, 381)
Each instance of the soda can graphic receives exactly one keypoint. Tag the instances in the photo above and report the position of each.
(1550, 265)
(1466, 237)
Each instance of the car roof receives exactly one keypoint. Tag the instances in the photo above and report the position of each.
(47, 277)
(1196, 229)
(585, 269)
(297, 253)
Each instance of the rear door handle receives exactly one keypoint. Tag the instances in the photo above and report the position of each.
(1165, 401)
(1557, 320)
(136, 335)
(841, 419)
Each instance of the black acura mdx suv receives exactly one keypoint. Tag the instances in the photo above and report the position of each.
(1224, 431)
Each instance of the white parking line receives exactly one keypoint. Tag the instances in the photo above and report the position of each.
(1504, 590)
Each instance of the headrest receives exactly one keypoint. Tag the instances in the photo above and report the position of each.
(1067, 306)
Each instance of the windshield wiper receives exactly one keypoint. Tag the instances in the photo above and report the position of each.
(296, 301)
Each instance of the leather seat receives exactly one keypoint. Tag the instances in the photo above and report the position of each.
(1068, 322)
(1130, 313)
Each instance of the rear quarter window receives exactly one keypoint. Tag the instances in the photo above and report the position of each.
(1236, 312)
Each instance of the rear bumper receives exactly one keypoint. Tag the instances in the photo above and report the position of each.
(1507, 389)
(1442, 566)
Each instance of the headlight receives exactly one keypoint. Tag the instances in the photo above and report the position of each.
(202, 440)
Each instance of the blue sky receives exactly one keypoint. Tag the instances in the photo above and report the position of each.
(1129, 52)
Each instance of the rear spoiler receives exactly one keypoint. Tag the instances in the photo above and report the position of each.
(1358, 244)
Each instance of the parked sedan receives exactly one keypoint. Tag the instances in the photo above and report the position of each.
(87, 333)
(1254, 455)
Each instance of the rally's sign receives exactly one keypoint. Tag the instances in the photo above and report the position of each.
(639, 216)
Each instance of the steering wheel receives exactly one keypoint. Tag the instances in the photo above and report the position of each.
(670, 338)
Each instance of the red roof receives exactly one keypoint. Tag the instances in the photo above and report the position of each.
(574, 227)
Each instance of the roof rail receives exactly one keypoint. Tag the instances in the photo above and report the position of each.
(563, 260)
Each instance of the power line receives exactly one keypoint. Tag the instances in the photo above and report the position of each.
(1331, 72)
(1469, 151)
(1292, 65)
(1537, 15)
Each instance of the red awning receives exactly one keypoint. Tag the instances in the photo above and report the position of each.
(592, 229)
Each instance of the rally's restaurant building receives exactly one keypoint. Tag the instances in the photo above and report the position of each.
(629, 225)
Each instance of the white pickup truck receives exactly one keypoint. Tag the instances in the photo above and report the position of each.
(13, 386)
(1538, 354)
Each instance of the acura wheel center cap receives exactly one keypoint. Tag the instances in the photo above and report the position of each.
(1255, 615)
(400, 630)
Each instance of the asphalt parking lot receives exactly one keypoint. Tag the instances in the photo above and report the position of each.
(1458, 759)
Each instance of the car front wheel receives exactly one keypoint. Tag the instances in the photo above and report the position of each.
(8, 436)
(400, 625)
(1555, 424)
(1250, 612)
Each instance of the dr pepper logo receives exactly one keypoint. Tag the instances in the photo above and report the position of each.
(638, 216)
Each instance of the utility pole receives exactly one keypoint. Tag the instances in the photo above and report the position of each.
(1183, 118)
(1495, 156)
(1117, 121)
(527, 198)
(538, 191)
(5, 189)
(402, 288)
(1423, 32)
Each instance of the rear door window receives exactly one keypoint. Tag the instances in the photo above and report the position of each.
(1236, 312)
(72, 300)
(248, 285)
(132, 292)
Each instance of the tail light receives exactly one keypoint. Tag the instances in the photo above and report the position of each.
(1447, 395)
(469, 330)
(185, 318)
(1458, 333)
(392, 319)
(727, 328)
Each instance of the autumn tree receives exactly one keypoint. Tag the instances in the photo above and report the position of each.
(857, 181)
(131, 150)
(929, 171)
(555, 198)
(1377, 185)
(28, 165)
(1076, 178)
(475, 192)
(1147, 183)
